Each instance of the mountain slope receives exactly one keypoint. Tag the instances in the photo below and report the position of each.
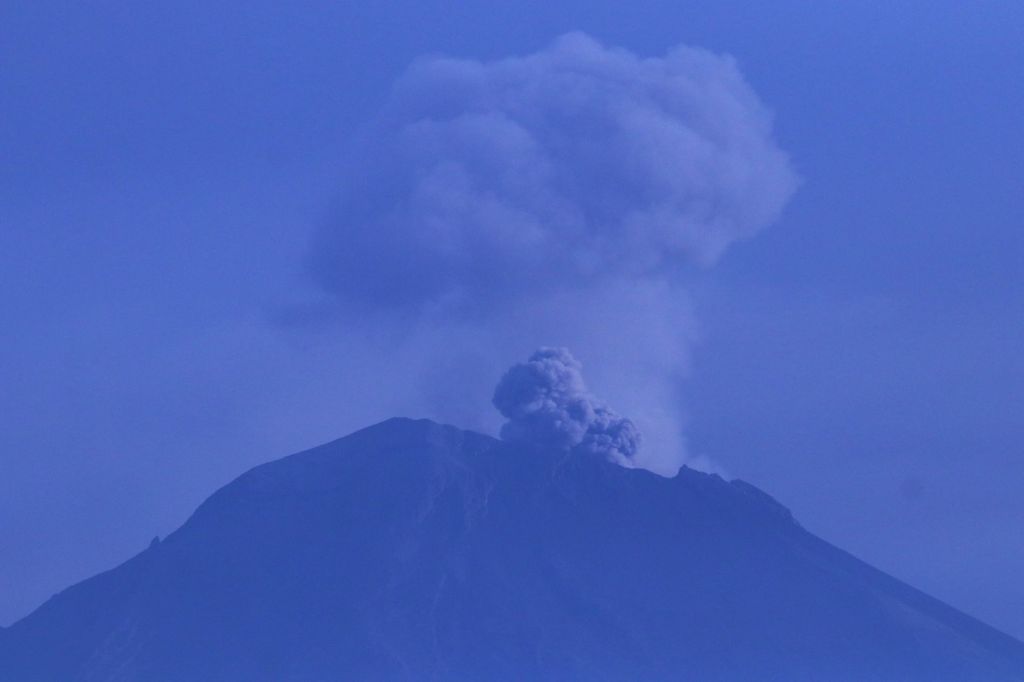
(413, 551)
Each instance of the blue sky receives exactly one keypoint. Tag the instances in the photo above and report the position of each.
(163, 171)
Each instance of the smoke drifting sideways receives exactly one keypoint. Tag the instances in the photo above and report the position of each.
(560, 198)
(547, 404)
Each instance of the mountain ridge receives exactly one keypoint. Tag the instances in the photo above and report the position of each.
(413, 550)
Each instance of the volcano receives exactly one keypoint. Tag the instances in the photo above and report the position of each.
(415, 551)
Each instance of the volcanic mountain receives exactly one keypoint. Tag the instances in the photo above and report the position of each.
(415, 551)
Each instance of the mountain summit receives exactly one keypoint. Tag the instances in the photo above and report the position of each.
(415, 551)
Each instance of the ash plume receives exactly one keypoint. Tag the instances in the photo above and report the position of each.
(547, 404)
(562, 197)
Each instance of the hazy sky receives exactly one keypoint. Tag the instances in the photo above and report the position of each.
(164, 171)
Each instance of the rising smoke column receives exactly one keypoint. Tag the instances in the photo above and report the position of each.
(561, 197)
(547, 404)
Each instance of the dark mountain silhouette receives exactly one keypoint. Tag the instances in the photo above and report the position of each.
(414, 551)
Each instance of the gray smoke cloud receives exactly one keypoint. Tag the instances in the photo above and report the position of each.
(561, 198)
(547, 404)
(482, 182)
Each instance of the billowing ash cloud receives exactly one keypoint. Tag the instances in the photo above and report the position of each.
(482, 182)
(563, 198)
(547, 404)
